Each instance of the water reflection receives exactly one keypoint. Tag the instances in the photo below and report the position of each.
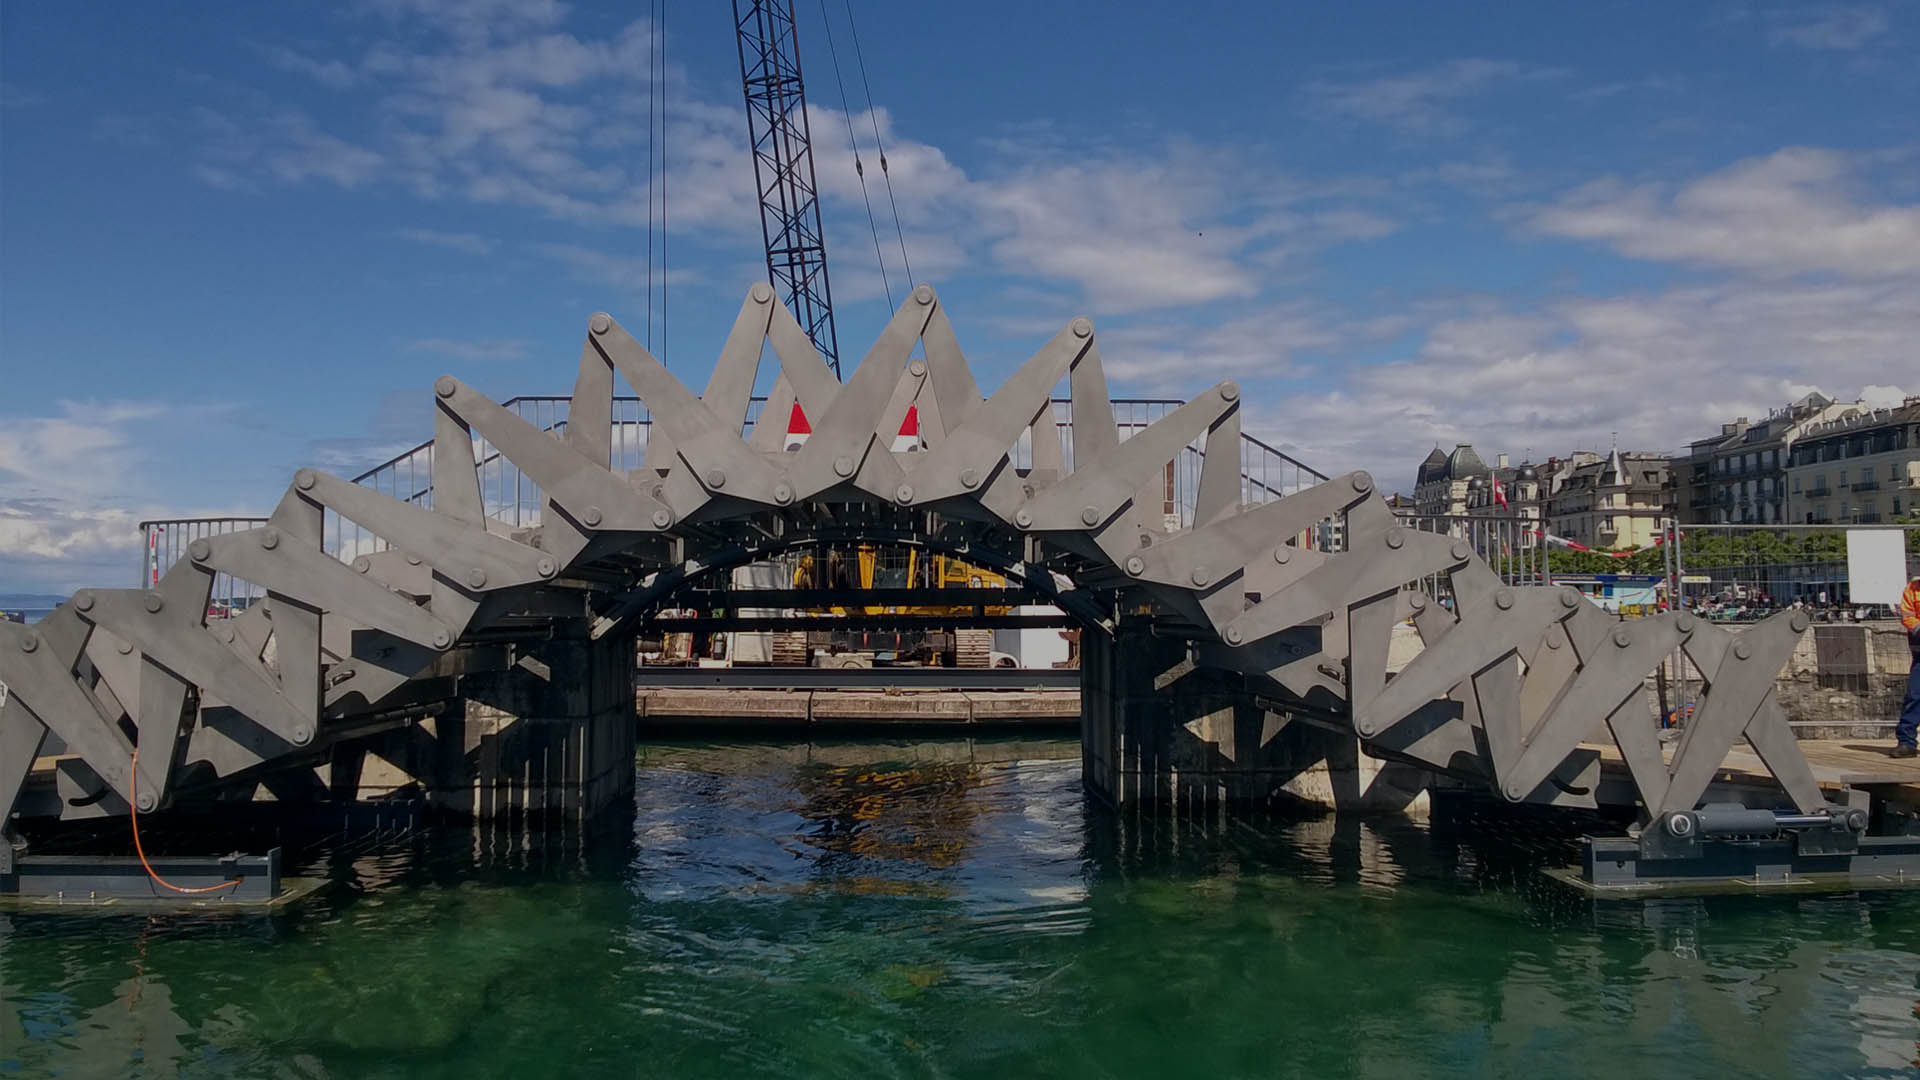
(892, 909)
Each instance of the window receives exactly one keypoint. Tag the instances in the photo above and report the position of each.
(1796, 485)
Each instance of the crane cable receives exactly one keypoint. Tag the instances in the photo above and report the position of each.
(859, 169)
(133, 805)
(875, 119)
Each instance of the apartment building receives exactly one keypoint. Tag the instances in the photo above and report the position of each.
(1860, 469)
(1739, 477)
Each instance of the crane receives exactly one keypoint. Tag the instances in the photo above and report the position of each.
(783, 167)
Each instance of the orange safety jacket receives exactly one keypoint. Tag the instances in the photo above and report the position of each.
(1910, 607)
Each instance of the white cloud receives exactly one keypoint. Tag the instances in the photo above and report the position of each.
(1423, 102)
(1794, 211)
(1659, 369)
(1834, 27)
(474, 349)
(330, 73)
(470, 243)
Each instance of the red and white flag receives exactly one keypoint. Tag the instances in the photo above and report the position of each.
(1499, 493)
(797, 428)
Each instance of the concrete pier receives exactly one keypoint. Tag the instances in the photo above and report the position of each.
(551, 735)
(1159, 734)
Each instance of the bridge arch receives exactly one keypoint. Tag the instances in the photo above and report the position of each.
(1295, 593)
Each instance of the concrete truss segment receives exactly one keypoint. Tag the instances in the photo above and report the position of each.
(1508, 682)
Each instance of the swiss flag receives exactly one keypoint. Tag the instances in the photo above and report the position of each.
(1499, 493)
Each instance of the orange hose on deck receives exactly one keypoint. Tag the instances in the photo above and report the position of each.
(133, 804)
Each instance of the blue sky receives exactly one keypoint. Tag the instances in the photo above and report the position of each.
(233, 242)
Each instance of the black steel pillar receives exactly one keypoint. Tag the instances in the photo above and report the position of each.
(783, 167)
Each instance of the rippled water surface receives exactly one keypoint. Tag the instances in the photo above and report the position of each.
(952, 909)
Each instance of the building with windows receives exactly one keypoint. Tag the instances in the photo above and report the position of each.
(1862, 469)
(1440, 487)
(1612, 503)
(1739, 477)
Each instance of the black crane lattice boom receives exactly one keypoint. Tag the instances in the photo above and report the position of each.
(783, 167)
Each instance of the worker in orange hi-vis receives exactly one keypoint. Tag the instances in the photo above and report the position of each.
(1909, 727)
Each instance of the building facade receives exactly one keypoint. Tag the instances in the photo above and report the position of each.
(1615, 503)
(1739, 477)
(1862, 469)
(1441, 486)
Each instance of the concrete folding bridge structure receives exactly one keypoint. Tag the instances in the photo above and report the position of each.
(490, 667)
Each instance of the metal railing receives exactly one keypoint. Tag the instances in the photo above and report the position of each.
(513, 501)
(1510, 544)
(166, 542)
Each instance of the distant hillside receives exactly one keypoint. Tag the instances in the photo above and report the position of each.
(29, 602)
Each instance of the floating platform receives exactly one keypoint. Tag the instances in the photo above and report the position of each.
(701, 709)
(1787, 885)
(125, 883)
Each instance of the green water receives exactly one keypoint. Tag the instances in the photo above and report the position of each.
(873, 910)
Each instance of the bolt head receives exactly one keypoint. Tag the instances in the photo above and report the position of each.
(1200, 577)
(969, 479)
(762, 293)
(545, 567)
(413, 560)
(1229, 391)
(1742, 651)
(1418, 601)
(1683, 622)
(903, 494)
(29, 641)
(304, 479)
(199, 551)
(1798, 622)
(1622, 638)
(1396, 538)
(154, 603)
(362, 564)
(591, 516)
(716, 478)
(1023, 519)
(1461, 551)
(1136, 565)
(302, 735)
(1281, 555)
(477, 578)
(923, 294)
(1680, 824)
(843, 465)
(442, 639)
(1503, 599)
(83, 600)
(782, 494)
(124, 648)
(228, 635)
(1569, 599)
(917, 368)
(662, 519)
(269, 538)
(445, 385)
(1363, 481)
(1090, 516)
(1235, 635)
(1514, 792)
(1554, 639)
(600, 323)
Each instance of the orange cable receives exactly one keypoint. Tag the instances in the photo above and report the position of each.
(133, 804)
